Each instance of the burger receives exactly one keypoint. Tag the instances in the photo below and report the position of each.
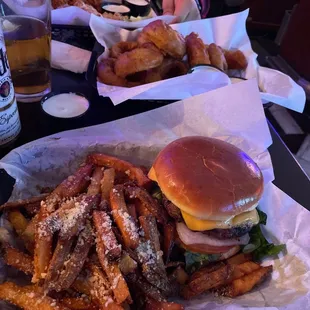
(212, 189)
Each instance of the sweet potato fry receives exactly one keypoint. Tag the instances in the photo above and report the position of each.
(19, 260)
(33, 208)
(148, 202)
(45, 228)
(70, 187)
(105, 236)
(244, 269)
(153, 273)
(156, 265)
(107, 183)
(95, 184)
(74, 218)
(99, 281)
(71, 223)
(169, 238)
(116, 279)
(60, 255)
(149, 226)
(151, 233)
(141, 209)
(152, 304)
(239, 271)
(205, 270)
(27, 297)
(18, 221)
(134, 173)
(104, 206)
(29, 234)
(78, 303)
(22, 202)
(119, 238)
(239, 259)
(132, 211)
(245, 284)
(76, 183)
(77, 259)
(100, 289)
(210, 280)
(138, 282)
(188, 293)
(82, 285)
(123, 220)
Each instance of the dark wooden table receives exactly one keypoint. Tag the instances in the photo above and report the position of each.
(36, 124)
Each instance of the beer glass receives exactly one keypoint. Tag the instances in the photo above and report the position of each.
(26, 26)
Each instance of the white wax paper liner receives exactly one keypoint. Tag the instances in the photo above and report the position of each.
(233, 113)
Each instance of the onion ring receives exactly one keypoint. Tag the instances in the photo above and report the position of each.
(165, 38)
(236, 59)
(107, 75)
(196, 50)
(122, 47)
(169, 68)
(137, 60)
(217, 57)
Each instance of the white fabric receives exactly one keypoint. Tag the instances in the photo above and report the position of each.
(68, 57)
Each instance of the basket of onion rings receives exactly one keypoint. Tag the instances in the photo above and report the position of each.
(174, 62)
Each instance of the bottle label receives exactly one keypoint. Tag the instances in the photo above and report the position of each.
(9, 124)
(9, 117)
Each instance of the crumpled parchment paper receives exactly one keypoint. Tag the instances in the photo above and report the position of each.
(234, 114)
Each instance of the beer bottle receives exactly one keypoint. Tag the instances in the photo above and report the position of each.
(9, 118)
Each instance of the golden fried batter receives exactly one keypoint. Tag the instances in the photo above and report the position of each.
(235, 59)
(217, 57)
(169, 68)
(107, 75)
(165, 38)
(122, 47)
(196, 51)
(137, 60)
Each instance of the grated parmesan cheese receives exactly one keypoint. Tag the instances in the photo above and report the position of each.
(129, 223)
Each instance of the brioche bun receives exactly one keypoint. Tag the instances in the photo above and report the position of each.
(208, 178)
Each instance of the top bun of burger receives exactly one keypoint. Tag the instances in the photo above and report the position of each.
(208, 178)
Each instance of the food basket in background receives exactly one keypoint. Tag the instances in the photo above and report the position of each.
(228, 32)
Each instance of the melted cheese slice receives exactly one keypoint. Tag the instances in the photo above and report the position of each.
(196, 224)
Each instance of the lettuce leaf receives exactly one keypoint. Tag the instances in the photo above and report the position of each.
(262, 217)
(258, 245)
(194, 261)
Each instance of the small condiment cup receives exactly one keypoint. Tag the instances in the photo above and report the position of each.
(65, 105)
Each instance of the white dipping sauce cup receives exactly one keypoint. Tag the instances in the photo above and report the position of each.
(65, 105)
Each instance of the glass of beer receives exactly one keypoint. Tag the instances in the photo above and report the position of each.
(26, 26)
